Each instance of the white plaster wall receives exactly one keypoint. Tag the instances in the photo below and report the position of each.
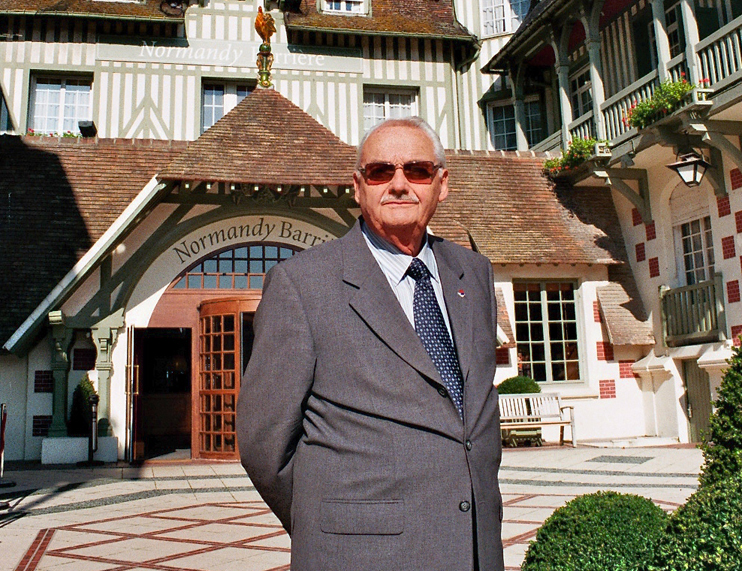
(13, 389)
(38, 404)
(596, 418)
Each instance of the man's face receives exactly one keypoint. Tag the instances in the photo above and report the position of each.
(397, 208)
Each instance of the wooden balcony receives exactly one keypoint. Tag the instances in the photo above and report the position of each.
(693, 314)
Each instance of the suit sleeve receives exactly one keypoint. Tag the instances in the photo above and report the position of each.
(274, 390)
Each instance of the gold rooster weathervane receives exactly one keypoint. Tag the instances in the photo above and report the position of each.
(266, 27)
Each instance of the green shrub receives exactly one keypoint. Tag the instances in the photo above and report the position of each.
(80, 411)
(518, 385)
(706, 533)
(578, 151)
(605, 531)
(722, 449)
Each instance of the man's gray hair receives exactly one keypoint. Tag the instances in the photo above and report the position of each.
(415, 123)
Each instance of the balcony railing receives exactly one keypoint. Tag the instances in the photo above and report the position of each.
(721, 54)
(693, 314)
(616, 108)
(582, 127)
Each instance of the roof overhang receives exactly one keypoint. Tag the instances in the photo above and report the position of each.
(137, 209)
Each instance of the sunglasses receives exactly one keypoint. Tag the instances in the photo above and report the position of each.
(421, 172)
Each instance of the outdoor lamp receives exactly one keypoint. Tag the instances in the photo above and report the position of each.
(690, 168)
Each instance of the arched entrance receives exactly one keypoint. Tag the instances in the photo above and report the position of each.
(204, 319)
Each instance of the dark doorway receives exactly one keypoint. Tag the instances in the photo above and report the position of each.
(162, 405)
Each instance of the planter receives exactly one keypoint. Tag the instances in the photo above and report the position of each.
(513, 437)
(73, 449)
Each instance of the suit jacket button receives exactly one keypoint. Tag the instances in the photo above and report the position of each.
(468, 444)
(464, 506)
(443, 392)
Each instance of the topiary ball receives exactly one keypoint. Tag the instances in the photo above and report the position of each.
(518, 385)
(705, 534)
(597, 532)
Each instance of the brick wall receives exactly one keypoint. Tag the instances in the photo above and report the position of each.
(41, 425)
(608, 389)
(605, 351)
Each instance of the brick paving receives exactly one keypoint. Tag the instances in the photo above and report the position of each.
(207, 516)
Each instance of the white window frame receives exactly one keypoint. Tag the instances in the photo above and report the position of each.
(502, 16)
(232, 93)
(345, 7)
(79, 101)
(695, 250)
(527, 366)
(533, 134)
(577, 92)
(371, 118)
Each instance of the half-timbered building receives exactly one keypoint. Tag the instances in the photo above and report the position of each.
(148, 182)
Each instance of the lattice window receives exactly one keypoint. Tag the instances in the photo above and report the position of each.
(501, 16)
(346, 6)
(243, 267)
(219, 99)
(501, 125)
(546, 331)
(379, 105)
(698, 250)
(58, 105)
(581, 92)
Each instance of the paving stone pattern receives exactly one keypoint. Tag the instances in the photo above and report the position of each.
(208, 516)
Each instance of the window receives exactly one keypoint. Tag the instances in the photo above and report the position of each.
(390, 104)
(6, 125)
(58, 104)
(345, 6)
(500, 16)
(546, 331)
(237, 268)
(219, 99)
(675, 33)
(698, 250)
(581, 93)
(501, 125)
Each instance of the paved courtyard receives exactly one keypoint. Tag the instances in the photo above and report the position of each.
(207, 516)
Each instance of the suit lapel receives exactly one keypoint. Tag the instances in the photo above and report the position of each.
(459, 306)
(375, 303)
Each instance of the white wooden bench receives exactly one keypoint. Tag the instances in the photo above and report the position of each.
(536, 410)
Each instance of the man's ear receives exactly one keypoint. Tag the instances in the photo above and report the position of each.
(444, 185)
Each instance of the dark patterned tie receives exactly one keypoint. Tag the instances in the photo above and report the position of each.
(431, 328)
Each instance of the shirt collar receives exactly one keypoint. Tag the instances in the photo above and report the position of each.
(395, 261)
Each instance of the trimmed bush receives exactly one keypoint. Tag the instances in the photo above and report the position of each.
(518, 386)
(80, 411)
(706, 533)
(722, 449)
(597, 532)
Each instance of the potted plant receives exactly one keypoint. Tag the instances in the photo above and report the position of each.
(578, 152)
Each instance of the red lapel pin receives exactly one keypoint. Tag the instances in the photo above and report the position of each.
(461, 293)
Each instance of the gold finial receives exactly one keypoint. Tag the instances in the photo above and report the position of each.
(266, 27)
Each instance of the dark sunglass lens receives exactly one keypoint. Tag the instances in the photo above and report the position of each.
(419, 171)
(379, 172)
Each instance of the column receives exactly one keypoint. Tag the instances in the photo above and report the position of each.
(565, 104)
(691, 39)
(596, 82)
(516, 80)
(61, 338)
(104, 335)
(660, 35)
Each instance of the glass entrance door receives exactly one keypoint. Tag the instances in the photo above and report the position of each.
(219, 371)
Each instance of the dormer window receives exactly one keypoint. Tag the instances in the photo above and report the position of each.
(351, 7)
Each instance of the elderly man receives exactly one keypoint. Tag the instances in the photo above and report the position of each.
(368, 420)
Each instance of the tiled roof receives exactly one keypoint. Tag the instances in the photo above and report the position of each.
(622, 310)
(503, 319)
(266, 139)
(418, 18)
(147, 9)
(514, 214)
(59, 197)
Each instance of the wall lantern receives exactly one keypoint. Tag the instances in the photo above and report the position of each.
(690, 168)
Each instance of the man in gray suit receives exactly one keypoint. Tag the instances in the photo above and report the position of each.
(368, 419)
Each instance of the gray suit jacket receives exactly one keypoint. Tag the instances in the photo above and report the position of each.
(344, 425)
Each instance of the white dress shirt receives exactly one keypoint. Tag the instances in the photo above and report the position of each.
(394, 264)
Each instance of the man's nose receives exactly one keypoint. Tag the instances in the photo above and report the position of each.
(399, 181)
